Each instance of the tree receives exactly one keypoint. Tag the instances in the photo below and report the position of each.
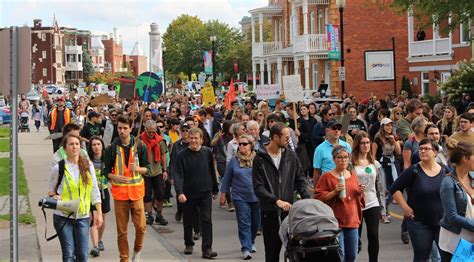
(460, 82)
(184, 41)
(87, 66)
(435, 11)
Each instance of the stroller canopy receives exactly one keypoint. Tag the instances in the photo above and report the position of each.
(309, 218)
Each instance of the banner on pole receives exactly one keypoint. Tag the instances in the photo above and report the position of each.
(207, 57)
(333, 42)
(292, 88)
(267, 92)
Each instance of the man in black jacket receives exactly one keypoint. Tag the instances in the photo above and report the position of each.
(195, 184)
(277, 173)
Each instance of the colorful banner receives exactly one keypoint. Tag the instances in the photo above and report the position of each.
(333, 42)
(207, 62)
(267, 91)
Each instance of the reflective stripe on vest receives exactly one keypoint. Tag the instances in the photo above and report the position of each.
(101, 180)
(135, 188)
(72, 190)
(54, 113)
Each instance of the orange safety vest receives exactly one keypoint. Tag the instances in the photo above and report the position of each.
(135, 188)
(54, 113)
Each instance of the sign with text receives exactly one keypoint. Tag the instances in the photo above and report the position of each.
(266, 92)
(208, 96)
(207, 57)
(333, 42)
(342, 73)
(292, 88)
(379, 65)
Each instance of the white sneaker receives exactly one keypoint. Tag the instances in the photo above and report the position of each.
(246, 255)
(136, 256)
(254, 248)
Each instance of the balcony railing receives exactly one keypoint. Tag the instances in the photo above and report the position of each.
(430, 47)
(310, 43)
(73, 49)
(265, 48)
(73, 66)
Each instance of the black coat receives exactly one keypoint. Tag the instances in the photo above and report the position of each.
(272, 184)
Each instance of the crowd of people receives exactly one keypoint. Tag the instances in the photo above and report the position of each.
(361, 155)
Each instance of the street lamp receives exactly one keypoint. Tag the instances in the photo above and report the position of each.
(213, 39)
(341, 4)
(163, 49)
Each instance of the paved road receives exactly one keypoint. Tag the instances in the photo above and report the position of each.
(227, 245)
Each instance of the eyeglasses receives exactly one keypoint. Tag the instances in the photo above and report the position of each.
(160, 126)
(398, 113)
(336, 128)
(243, 144)
(342, 157)
(425, 149)
(114, 115)
(184, 130)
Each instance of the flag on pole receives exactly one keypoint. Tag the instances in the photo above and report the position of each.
(230, 96)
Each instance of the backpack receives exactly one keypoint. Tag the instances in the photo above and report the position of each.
(61, 166)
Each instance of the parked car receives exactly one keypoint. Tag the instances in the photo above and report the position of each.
(32, 96)
(52, 89)
(5, 115)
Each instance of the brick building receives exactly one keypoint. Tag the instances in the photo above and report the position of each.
(47, 53)
(138, 60)
(299, 45)
(113, 54)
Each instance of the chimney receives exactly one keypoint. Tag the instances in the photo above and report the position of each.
(115, 34)
(37, 23)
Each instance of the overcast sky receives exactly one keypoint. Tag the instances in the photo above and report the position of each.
(131, 18)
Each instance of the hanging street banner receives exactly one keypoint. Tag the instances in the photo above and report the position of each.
(207, 57)
(149, 87)
(267, 92)
(333, 42)
(292, 88)
(208, 96)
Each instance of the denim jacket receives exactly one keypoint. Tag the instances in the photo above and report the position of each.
(454, 201)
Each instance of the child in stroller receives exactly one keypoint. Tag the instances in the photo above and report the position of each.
(24, 126)
(310, 232)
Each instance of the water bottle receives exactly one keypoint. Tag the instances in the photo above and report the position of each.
(135, 159)
(342, 180)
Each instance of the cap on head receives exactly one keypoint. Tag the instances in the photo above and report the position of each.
(333, 123)
(385, 121)
(92, 114)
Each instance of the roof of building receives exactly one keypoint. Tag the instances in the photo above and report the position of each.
(96, 42)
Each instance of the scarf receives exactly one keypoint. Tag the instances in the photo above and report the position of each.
(245, 161)
(153, 144)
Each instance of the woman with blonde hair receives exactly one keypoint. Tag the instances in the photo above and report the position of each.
(448, 124)
(397, 114)
(74, 179)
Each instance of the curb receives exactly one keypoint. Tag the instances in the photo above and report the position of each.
(167, 245)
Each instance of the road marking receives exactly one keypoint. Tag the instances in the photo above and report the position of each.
(395, 215)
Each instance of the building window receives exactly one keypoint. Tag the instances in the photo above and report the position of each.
(43, 37)
(79, 58)
(320, 22)
(445, 77)
(425, 83)
(43, 54)
(464, 31)
(312, 23)
(45, 72)
(315, 76)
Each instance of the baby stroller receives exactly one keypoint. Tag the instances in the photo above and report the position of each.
(24, 126)
(310, 232)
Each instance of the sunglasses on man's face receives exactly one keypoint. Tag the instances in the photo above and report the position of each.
(160, 126)
(336, 128)
(243, 144)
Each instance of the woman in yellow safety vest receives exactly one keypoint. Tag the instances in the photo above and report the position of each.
(74, 179)
(96, 151)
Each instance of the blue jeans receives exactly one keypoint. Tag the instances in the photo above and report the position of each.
(422, 237)
(73, 237)
(348, 243)
(248, 220)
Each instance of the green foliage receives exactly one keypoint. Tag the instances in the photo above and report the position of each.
(186, 39)
(461, 81)
(432, 100)
(26, 218)
(87, 66)
(4, 145)
(4, 132)
(435, 11)
(5, 178)
(406, 86)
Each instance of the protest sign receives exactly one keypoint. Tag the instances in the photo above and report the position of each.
(267, 92)
(292, 88)
(208, 96)
(101, 100)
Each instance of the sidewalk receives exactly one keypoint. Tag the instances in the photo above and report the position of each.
(36, 154)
